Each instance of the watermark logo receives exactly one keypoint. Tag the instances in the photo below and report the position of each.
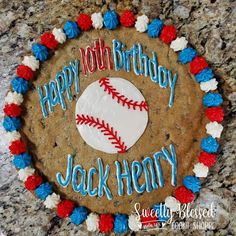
(186, 217)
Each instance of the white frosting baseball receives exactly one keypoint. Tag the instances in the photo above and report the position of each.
(209, 85)
(59, 35)
(97, 20)
(134, 223)
(179, 44)
(200, 170)
(92, 222)
(99, 104)
(141, 24)
(12, 136)
(214, 129)
(172, 203)
(23, 174)
(14, 97)
(52, 201)
(31, 62)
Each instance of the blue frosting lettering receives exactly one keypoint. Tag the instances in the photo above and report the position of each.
(172, 84)
(143, 65)
(126, 175)
(157, 156)
(52, 94)
(81, 188)
(68, 78)
(65, 182)
(149, 171)
(171, 158)
(103, 180)
(127, 56)
(91, 192)
(145, 162)
(44, 99)
(153, 68)
(75, 69)
(143, 57)
(54, 98)
(135, 51)
(117, 55)
(61, 89)
(162, 76)
(136, 173)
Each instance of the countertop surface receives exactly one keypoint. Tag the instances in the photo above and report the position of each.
(208, 25)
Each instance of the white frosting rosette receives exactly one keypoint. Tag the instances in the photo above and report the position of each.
(31, 62)
(23, 174)
(12, 136)
(14, 97)
(214, 129)
(209, 85)
(179, 44)
(97, 20)
(200, 170)
(52, 201)
(59, 35)
(92, 222)
(141, 24)
(134, 223)
(172, 203)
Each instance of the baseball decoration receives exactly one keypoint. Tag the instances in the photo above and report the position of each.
(111, 115)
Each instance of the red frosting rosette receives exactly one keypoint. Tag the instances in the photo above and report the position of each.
(168, 34)
(84, 22)
(48, 40)
(12, 110)
(127, 19)
(24, 72)
(207, 159)
(32, 182)
(65, 208)
(197, 64)
(215, 114)
(184, 195)
(106, 223)
(17, 147)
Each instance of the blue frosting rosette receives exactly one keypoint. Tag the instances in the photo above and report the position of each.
(71, 29)
(111, 20)
(187, 55)
(79, 215)
(121, 223)
(21, 161)
(209, 144)
(43, 191)
(205, 75)
(154, 29)
(11, 123)
(40, 51)
(19, 85)
(192, 183)
(212, 100)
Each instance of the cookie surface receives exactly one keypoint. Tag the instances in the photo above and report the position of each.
(51, 139)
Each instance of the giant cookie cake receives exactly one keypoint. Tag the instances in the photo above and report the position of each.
(120, 114)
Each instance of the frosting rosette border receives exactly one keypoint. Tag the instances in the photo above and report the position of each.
(212, 101)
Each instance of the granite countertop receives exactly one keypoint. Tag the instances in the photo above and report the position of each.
(209, 25)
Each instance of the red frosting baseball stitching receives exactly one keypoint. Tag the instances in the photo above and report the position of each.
(105, 130)
(121, 99)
